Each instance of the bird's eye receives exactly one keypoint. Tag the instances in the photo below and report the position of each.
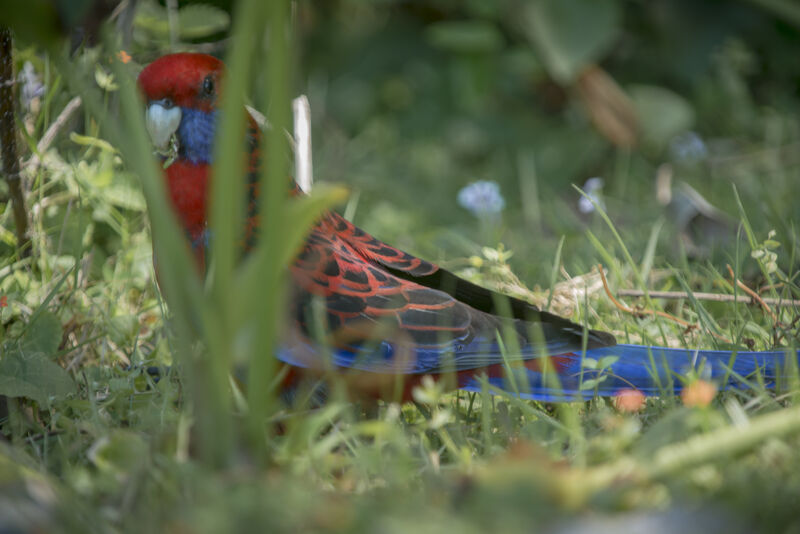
(208, 86)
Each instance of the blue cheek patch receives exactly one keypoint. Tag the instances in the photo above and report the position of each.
(196, 134)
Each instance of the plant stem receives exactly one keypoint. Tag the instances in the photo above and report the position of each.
(8, 134)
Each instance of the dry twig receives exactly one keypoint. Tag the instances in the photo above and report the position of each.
(752, 293)
(659, 313)
(716, 297)
(50, 134)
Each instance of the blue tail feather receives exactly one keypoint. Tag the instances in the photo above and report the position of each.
(601, 372)
(651, 370)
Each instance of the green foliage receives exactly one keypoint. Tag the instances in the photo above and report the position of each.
(569, 36)
(465, 37)
(195, 21)
(33, 375)
(662, 114)
(412, 101)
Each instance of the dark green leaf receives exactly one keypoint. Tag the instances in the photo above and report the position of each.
(195, 20)
(33, 376)
(42, 336)
(570, 34)
(467, 36)
(119, 453)
(662, 114)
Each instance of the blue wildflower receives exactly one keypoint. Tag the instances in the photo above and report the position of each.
(688, 147)
(482, 198)
(592, 187)
(32, 87)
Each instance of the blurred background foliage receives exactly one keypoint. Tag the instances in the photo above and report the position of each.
(414, 100)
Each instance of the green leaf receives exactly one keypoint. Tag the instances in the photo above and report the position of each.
(42, 336)
(570, 34)
(34, 376)
(119, 453)
(124, 196)
(195, 20)
(201, 20)
(468, 36)
(104, 79)
(662, 114)
(589, 363)
(607, 361)
(591, 383)
(87, 140)
(123, 328)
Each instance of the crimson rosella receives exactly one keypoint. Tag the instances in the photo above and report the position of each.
(428, 321)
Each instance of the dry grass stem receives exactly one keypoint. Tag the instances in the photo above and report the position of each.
(752, 293)
(640, 312)
(716, 297)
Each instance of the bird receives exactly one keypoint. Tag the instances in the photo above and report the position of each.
(389, 314)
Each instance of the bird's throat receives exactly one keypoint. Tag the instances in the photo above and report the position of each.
(188, 191)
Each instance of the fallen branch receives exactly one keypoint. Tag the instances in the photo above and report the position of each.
(658, 313)
(717, 297)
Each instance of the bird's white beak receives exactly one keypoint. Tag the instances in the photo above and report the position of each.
(162, 120)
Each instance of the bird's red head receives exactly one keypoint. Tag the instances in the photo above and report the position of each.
(186, 80)
(182, 91)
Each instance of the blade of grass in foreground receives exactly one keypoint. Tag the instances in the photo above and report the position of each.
(180, 282)
(273, 184)
(226, 217)
(254, 291)
(215, 316)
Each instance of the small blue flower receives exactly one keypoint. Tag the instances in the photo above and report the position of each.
(32, 87)
(688, 147)
(482, 198)
(592, 187)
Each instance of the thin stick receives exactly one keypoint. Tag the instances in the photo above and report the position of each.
(304, 171)
(8, 132)
(658, 313)
(752, 293)
(717, 297)
(52, 131)
(631, 311)
(300, 141)
(174, 24)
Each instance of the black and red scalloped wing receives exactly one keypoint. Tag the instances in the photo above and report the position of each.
(364, 301)
(370, 293)
(376, 251)
(410, 268)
